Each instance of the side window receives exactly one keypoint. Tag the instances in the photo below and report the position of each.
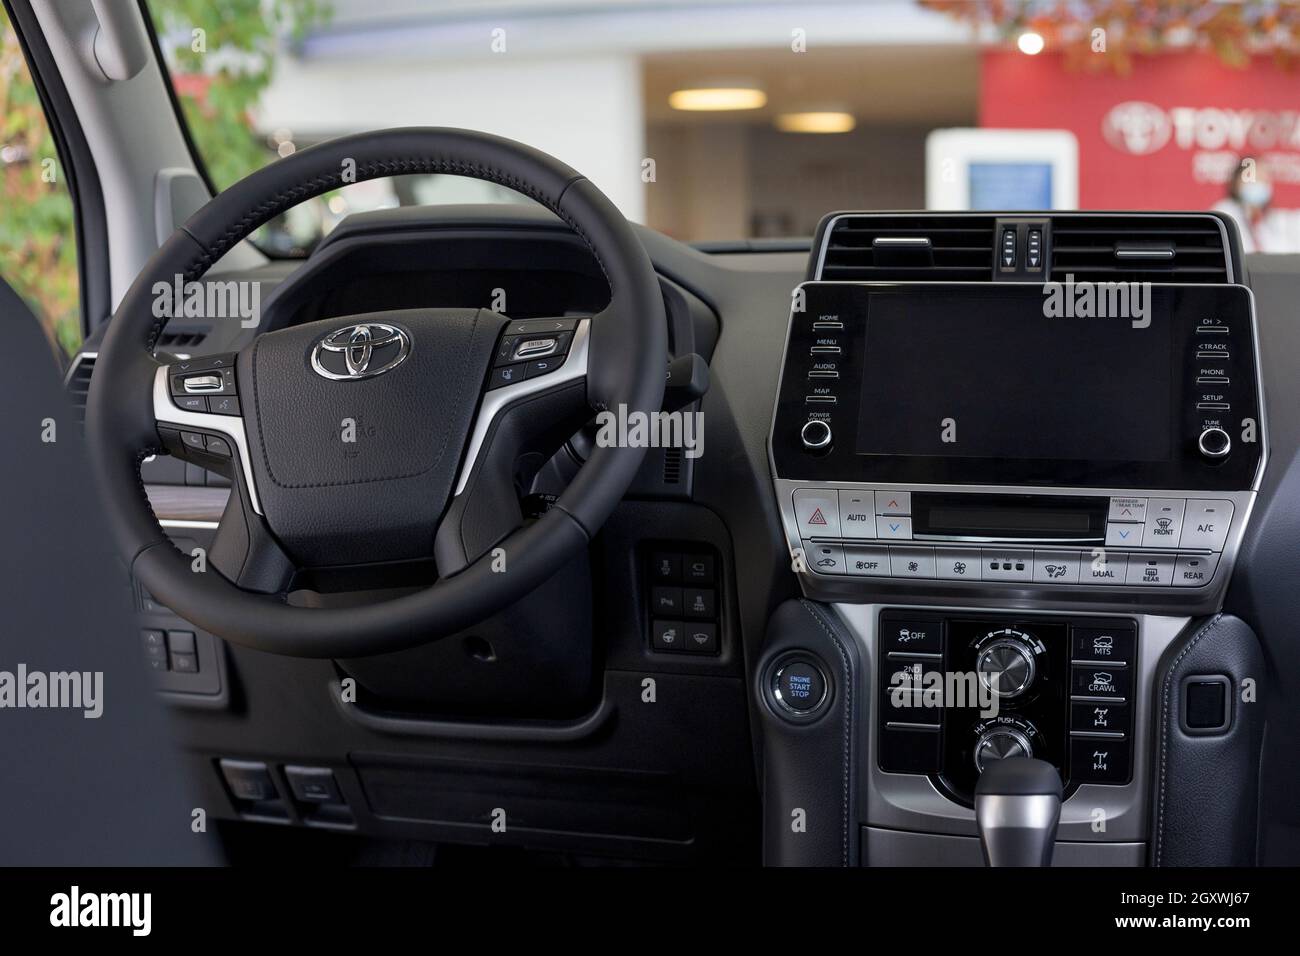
(38, 242)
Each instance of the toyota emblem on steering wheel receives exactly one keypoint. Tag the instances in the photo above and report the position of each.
(360, 351)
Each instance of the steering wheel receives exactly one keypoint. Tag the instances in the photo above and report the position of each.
(384, 437)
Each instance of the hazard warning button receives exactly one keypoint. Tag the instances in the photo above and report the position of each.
(818, 512)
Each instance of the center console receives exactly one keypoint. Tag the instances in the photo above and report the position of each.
(1006, 489)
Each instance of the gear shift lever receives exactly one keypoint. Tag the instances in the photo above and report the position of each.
(1017, 807)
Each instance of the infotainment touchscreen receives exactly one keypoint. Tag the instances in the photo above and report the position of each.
(995, 377)
(999, 383)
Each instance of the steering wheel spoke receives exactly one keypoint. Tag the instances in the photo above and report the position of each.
(531, 405)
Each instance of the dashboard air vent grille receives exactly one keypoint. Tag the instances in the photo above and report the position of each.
(78, 385)
(909, 248)
(180, 340)
(1138, 249)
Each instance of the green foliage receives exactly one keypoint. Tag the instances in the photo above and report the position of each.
(222, 56)
(38, 250)
(219, 74)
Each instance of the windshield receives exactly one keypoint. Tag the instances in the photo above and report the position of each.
(722, 121)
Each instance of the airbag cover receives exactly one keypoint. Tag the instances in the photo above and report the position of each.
(360, 470)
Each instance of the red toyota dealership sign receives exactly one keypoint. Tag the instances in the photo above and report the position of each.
(1166, 136)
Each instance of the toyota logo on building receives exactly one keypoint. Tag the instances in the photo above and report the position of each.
(360, 351)
(1136, 127)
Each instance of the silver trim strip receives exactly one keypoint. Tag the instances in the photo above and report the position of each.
(181, 523)
(496, 400)
(910, 802)
(231, 426)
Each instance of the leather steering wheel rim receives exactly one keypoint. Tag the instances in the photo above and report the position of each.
(627, 352)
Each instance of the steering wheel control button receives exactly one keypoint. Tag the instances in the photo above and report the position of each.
(1194, 570)
(537, 327)
(799, 688)
(217, 446)
(223, 405)
(506, 375)
(542, 366)
(534, 348)
(667, 635)
(1205, 524)
(191, 403)
(1101, 681)
(202, 383)
(824, 558)
(911, 637)
(818, 513)
(194, 440)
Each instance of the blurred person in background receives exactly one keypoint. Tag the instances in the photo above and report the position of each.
(1249, 202)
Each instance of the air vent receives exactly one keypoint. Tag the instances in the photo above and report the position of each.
(672, 466)
(78, 384)
(1138, 249)
(180, 340)
(909, 248)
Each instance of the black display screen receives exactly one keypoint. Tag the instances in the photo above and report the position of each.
(995, 377)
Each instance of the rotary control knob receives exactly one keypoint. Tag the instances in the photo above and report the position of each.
(1006, 665)
(816, 435)
(1214, 443)
(1001, 743)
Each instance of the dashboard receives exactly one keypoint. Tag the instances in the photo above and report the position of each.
(1051, 451)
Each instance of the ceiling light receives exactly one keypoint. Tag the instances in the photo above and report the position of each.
(827, 121)
(1030, 43)
(715, 98)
